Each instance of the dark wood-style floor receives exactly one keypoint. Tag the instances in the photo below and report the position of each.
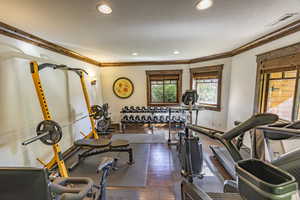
(163, 181)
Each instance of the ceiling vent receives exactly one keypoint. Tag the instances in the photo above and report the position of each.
(283, 18)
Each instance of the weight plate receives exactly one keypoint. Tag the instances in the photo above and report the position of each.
(54, 132)
(103, 125)
(97, 112)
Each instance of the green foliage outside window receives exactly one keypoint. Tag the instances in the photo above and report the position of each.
(207, 90)
(164, 91)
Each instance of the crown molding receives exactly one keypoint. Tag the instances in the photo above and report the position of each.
(16, 33)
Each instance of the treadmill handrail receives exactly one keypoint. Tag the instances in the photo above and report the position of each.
(283, 131)
(251, 123)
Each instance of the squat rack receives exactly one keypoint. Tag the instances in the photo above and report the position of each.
(58, 157)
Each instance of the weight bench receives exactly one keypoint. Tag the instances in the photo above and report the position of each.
(99, 146)
(33, 183)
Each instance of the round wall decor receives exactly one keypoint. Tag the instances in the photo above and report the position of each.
(123, 87)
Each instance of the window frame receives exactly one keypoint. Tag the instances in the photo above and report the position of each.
(283, 59)
(217, 69)
(164, 73)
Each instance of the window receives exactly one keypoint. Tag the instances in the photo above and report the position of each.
(280, 93)
(164, 87)
(207, 82)
(279, 86)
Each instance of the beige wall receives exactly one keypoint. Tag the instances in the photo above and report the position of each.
(19, 107)
(137, 75)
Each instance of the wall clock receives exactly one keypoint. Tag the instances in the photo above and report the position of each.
(123, 87)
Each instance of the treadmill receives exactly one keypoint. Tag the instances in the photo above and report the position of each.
(226, 160)
(231, 152)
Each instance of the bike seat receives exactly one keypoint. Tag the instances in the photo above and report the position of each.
(104, 163)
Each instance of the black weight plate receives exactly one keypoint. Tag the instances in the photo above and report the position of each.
(103, 125)
(54, 132)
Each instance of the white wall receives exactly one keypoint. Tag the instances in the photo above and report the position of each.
(19, 107)
(214, 119)
(243, 77)
(137, 74)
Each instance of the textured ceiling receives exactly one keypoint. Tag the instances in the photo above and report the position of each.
(153, 28)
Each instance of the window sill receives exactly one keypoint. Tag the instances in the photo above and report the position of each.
(211, 107)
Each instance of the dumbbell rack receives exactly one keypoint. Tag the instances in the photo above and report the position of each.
(152, 111)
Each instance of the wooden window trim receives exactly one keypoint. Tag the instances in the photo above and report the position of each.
(164, 73)
(218, 69)
(283, 59)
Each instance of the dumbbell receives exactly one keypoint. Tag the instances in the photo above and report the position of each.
(137, 119)
(162, 119)
(164, 109)
(167, 119)
(182, 120)
(151, 109)
(155, 119)
(124, 119)
(177, 119)
(138, 109)
(173, 119)
(143, 109)
(149, 119)
(157, 109)
(125, 109)
(131, 119)
(143, 119)
(131, 109)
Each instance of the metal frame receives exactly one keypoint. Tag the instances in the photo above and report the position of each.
(92, 150)
(58, 157)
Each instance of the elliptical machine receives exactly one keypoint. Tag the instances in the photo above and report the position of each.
(189, 147)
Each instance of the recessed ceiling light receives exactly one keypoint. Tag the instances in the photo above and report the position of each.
(204, 4)
(104, 8)
(176, 52)
(135, 54)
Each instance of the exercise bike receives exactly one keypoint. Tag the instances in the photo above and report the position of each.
(62, 186)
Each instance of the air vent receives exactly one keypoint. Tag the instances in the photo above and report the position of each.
(284, 18)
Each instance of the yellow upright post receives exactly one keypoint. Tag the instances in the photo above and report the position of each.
(58, 158)
(88, 105)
